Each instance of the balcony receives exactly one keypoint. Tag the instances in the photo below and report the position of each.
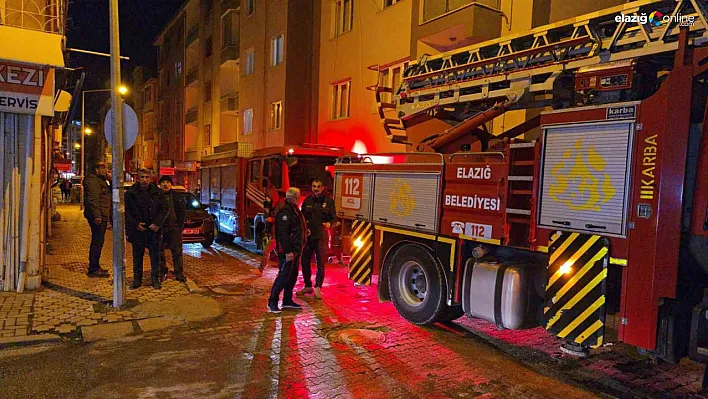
(191, 117)
(230, 53)
(227, 5)
(41, 23)
(192, 35)
(229, 104)
(192, 77)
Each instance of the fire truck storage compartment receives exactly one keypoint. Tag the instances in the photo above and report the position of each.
(353, 195)
(499, 293)
(229, 177)
(205, 194)
(407, 199)
(585, 176)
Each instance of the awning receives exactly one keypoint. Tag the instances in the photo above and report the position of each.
(31, 46)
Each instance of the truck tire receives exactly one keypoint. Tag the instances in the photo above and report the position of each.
(415, 283)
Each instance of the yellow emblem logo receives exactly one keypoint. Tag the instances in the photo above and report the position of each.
(402, 202)
(579, 180)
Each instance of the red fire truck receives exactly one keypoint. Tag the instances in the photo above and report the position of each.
(234, 184)
(596, 219)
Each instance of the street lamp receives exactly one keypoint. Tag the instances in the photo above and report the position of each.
(123, 90)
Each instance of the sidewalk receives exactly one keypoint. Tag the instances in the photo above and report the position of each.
(68, 299)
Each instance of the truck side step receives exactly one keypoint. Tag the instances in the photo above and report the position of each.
(520, 178)
(518, 211)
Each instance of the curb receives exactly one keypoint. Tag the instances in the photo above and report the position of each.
(28, 340)
(193, 287)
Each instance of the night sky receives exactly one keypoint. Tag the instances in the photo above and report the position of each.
(88, 29)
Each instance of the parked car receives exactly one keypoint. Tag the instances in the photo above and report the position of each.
(199, 225)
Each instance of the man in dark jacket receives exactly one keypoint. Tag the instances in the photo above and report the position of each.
(320, 214)
(290, 233)
(97, 211)
(172, 229)
(145, 213)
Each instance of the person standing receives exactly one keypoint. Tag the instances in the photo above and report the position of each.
(66, 190)
(172, 230)
(320, 214)
(290, 232)
(274, 200)
(97, 211)
(145, 212)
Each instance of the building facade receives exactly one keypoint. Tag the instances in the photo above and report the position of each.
(363, 43)
(234, 71)
(32, 37)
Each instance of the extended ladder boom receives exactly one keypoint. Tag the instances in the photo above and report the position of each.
(529, 63)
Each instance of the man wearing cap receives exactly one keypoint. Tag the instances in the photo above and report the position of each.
(97, 211)
(145, 213)
(172, 229)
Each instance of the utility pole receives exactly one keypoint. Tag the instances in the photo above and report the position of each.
(118, 174)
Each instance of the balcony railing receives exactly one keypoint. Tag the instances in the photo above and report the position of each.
(229, 103)
(191, 116)
(41, 15)
(230, 52)
(192, 77)
(192, 35)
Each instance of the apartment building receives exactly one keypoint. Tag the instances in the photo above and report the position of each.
(233, 71)
(365, 42)
(142, 154)
(32, 37)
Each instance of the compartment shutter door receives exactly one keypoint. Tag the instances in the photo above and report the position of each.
(585, 177)
(228, 187)
(409, 200)
(353, 195)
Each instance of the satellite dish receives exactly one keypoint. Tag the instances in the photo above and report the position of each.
(130, 126)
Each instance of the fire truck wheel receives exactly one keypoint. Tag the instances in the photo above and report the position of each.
(415, 283)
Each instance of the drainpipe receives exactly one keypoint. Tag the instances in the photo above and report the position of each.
(27, 125)
(2, 184)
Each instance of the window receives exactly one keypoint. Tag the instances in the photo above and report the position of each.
(208, 47)
(276, 115)
(178, 68)
(390, 76)
(255, 171)
(276, 47)
(248, 121)
(207, 91)
(250, 7)
(341, 94)
(250, 61)
(148, 95)
(436, 8)
(207, 134)
(343, 16)
(389, 3)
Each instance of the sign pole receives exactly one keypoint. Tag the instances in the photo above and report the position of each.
(118, 175)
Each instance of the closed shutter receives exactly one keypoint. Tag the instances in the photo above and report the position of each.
(228, 187)
(585, 177)
(409, 200)
(353, 195)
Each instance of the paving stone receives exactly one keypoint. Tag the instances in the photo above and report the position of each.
(106, 331)
(157, 323)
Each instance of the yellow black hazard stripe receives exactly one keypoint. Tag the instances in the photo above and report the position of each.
(575, 304)
(361, 263)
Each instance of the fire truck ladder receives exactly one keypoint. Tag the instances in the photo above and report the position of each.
(390, 124)
(529, 63)
(522, 181)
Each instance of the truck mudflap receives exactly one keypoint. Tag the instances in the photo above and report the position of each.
(361, 265)
(575, 304)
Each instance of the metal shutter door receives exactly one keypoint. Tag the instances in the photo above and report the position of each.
(409, 200)
(228, 187)
(585, 177)
(361, 207)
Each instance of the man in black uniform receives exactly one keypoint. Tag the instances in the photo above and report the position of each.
(172, 229)
(97, 211)
(290, 233)
(145, 212)
(320, 214)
